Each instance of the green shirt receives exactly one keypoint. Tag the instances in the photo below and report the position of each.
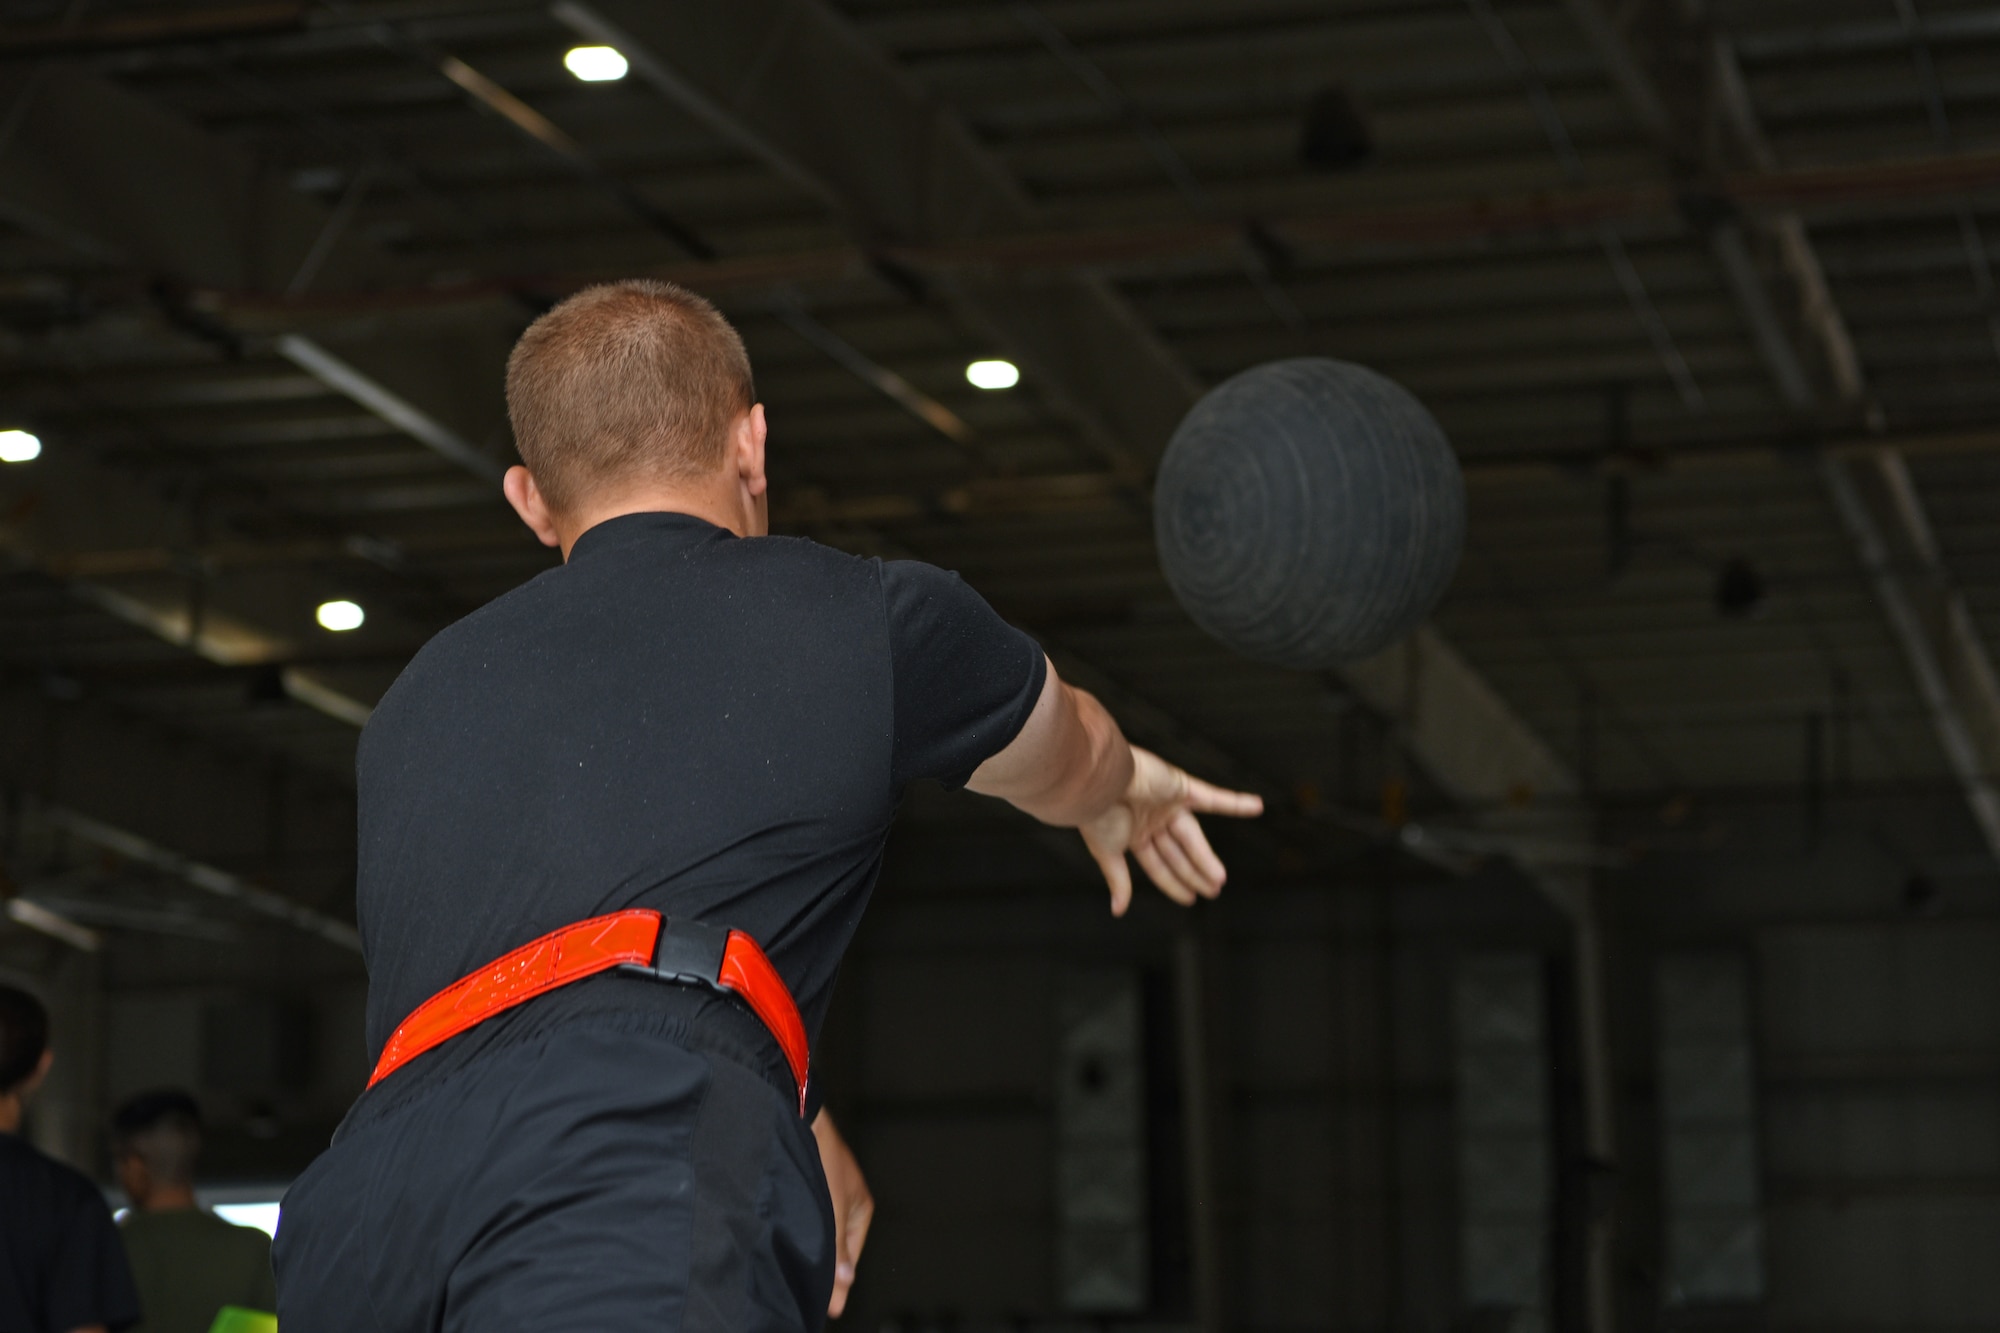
(190, 1263)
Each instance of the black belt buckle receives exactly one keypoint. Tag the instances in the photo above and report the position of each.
(687, 951)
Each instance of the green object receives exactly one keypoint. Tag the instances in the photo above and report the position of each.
(190, 1263)
(236, 1319)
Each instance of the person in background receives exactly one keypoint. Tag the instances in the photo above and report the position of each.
(189, 1262)
(62, 1269)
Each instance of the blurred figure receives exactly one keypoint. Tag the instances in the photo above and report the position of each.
(189, 1262)
(62, 1269)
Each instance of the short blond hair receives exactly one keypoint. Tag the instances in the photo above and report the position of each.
(629, 380)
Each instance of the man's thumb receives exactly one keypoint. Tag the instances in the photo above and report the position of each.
(1119, 876)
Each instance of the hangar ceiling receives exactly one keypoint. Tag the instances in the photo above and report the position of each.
(1674, 282)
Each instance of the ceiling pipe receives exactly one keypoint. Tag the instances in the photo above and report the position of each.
(1933, 685)
(209, 879)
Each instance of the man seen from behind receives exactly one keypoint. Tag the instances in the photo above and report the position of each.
(62, 1269)
(189, 1263)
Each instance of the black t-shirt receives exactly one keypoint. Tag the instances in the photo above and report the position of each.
(62, 1265)
(679, 719)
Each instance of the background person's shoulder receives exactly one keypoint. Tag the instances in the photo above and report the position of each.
(45, 1185)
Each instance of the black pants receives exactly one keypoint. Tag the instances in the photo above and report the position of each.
(624, 1157)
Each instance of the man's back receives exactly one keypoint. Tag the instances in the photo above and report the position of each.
(693, 719)
(61, 1266)
(678, 719)
(190, 1263)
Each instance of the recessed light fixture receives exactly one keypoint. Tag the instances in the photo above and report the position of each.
(596, 64)
(993, 374)
(1335, 135)
(340, 616)
(1739, 589)
(18, 446)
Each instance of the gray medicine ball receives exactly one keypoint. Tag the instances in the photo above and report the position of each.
(1309, 512)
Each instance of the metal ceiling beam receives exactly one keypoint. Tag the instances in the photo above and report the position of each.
(1965, 650)
(93, 165)
(1475, 746)
(1817, 308)
(39, 917)
(787, 306)
(212, 880)
(1947, 654)
(1949, 718)
(439, 382)
(113, 175)
(796, 508)
(1961, 717)
(1014, 248)
(669, 83)
(57, 512)
(75, 33)
(420, 425)
(900, 167)
(182, 804)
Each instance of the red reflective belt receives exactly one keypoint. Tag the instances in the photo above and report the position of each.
(622, 939)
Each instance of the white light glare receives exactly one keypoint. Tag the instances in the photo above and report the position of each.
(18, 446)
(340, 616)
(993, 374)
(596, 64)
(263, 1216)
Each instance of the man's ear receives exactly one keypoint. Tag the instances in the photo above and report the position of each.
(133, 1177)
(27, 1086)
(526, 497)
(748, 446)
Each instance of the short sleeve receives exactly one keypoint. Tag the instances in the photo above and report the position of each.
(965, 680)
(89, 1280)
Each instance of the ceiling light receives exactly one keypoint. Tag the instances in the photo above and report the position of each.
(18, 446)
(596, 64)
(993, 374)
(340, 616)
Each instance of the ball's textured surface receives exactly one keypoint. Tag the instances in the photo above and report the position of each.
(1309, 512)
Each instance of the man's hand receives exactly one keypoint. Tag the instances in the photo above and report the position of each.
(1071, 766)
(1155, 821)
(853, 1207)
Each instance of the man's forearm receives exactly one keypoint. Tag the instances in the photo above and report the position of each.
(1093, 769)
(1068, 765)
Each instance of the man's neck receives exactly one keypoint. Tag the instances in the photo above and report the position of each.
(720, 503)
(10, 1113)
(169, 1199)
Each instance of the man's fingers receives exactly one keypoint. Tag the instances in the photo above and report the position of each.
(847, 1255)
(853, 1206)
(1175, 855)
(858, 1219)
(1210, 799)
(1162, 874)
(1186, 832)
(1116, 874)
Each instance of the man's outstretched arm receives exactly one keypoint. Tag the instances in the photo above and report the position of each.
(1072, 767)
